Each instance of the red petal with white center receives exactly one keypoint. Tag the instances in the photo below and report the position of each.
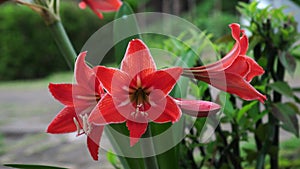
(63, 122)
(163, 110)
(197, 108)
(137, 58)
(93, 140)
(116, 82)
(106, 112)
(136, 130)
(163, 80)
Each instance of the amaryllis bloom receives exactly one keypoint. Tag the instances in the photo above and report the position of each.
(233, 72)
(99, 6)
(138, 93)
(79, 100)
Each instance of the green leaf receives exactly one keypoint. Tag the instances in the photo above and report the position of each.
(282, 88)
(288, 61)
(32, 166)
(112, 158)
(244, 109)
(287, 114)
(261, 131)
(228, 109)
(125, 29)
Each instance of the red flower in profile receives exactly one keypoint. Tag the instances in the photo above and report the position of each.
(232, 73)
(138, 93)
(99, 6)
(79, 100)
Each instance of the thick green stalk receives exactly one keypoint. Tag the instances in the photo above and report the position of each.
(62, 41)
(147, 147)
(277, 98)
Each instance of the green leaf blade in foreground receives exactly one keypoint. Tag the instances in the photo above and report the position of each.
(125, 29)
(31, 166)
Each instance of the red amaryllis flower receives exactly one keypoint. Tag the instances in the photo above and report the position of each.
(234, 72)
(138, 93)
(79, 99)
(99, 6)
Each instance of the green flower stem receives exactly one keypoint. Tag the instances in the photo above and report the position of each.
(148, 147)
(63, 42)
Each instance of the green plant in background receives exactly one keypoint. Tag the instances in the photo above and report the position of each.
(33, 45)
(273, 37)
(272, 45)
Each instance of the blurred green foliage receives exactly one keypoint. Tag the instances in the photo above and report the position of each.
(27, 48)
(214, 16)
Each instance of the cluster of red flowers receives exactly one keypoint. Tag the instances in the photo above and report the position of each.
(135, 94)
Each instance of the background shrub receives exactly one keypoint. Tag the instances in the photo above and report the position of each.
(27, 48)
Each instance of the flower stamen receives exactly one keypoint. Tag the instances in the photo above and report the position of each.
(86, 125)
(139, 112)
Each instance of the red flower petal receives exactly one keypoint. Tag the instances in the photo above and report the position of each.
(197, 108)
(226, 61)
(239, 66)
(106, 112)
(137, 58)
(136, 130)
(255, 69)
(104, 5)
(82, 5)
(163, 111)
(234, 84)
(244, 43)
(115, 81)
(85, 74)
(93, 140)
(62, 93)
(63, 122)
(163, 80)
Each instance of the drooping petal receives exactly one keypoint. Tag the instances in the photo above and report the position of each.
(163, 110)
(197, 108)
(63, 122)
(255, 69)
(106, 112)
(116, 82)
(136, 130)
(93, 140)
(163, 80)
(234, 84)
(137, 58)
(62, 93)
